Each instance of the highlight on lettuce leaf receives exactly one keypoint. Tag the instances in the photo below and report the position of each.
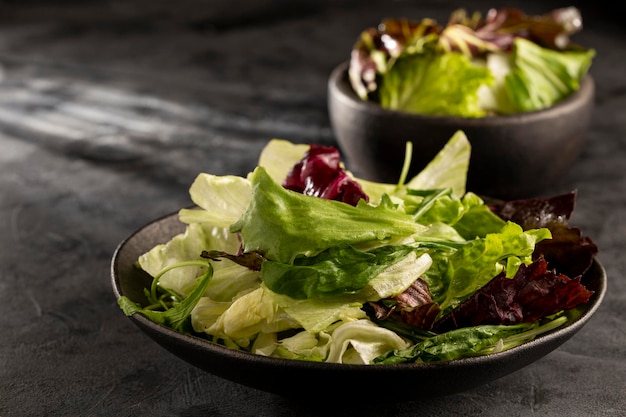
(302, 260)
(504, 62)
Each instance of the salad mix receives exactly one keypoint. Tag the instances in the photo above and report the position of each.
(302, 260)
(505, 62)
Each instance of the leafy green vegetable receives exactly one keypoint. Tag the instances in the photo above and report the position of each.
(221, 199)
(541, 77)
(435, 84)
(470, 341)
(275, 272)
(505, 62)
(298, 225)
(176, 316)
(475, 263)
(335, 271)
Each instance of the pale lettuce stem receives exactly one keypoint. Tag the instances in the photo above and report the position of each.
(408, 154)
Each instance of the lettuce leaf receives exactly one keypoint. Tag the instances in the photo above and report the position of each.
(316, 314)
(188, 246)
(448, 169)
(470, 341)
(252, 312)
(361, 341)
(296, 225)
(541, 77)
(335, 271)
(460, 273)
(434, 84)
(504, 62)
(221, 200)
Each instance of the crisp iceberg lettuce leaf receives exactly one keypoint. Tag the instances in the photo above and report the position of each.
(351, 342)
(186, 246)
(304, 346)
(222, 199)
(279, 156)
(434, 84)
(252, 313)
(230, 280)
(315, 315)
(396, 278)
(298, 225)
(359, 342)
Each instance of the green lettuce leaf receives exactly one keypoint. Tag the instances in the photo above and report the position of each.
(336, 271)
(434, 84)
(316, 314)
(361, 341)
(222, 200)
(448, 169)
(250, 313)
(279, 156)
(283, 225)
(541, 77)
(458, 273)
(183, 247)
(470, 341)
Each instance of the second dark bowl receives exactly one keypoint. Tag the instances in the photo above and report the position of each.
(515, 156)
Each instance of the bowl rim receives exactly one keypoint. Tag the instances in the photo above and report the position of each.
(339, 88)
(562, 333)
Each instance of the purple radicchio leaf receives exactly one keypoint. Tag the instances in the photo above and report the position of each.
(568, 251)
(414, 307)
(320, 174)
(475, 36)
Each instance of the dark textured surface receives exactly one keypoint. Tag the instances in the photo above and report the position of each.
(108, 111)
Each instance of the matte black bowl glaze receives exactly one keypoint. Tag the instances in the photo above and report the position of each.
(513, 156)
(298, 378)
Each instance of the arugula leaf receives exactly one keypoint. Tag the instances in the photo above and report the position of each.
(470, 341)
(177, 316)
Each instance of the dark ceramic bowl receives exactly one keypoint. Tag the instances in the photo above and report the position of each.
(294, 378)
(514, 156)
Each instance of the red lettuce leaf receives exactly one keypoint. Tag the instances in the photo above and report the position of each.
(413, 307)
(320, 174)
(534, 292)
(569, 252)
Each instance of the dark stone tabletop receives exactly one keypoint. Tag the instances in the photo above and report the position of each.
(108, 111)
